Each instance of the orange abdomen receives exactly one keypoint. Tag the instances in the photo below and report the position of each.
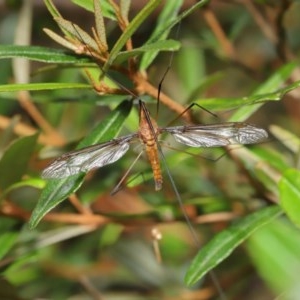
(152, 153)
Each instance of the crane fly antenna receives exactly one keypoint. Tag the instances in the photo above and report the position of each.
(160, 86)
(166, 72)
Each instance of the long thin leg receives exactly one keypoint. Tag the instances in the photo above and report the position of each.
(117, 187)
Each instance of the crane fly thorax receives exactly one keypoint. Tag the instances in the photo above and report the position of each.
(148, 129)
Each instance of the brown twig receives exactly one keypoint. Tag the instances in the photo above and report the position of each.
(218, 31)
(12, 210)
(25, 101)
(263, 24)
(22, 129)
(90, 288)
(77, 204)
(216, 217)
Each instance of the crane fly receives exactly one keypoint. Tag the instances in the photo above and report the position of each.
(99, 155)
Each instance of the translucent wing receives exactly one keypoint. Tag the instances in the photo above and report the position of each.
(88, 158)
(216, 135)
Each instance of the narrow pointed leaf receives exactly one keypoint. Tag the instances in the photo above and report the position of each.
(55, 13)
(52, 9)
(43, 54)
(222, 245)
(107, 9)
(290, 140)
(167, 15)
(177, 20)
(36, 183)
(14, 162)
(166, 45)
(42, 86)
(289, 187)
(270, 85)
(274, 250)
(129, 31)
(221, 104)
(57, 190)
(86, 4)
(7, 241)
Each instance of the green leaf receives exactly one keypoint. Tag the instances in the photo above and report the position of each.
(42, 86)
(106, 7)
(86, 4)
(52, 9)
(7, 241)
(220, 104)
(138, 179)
(289, 140)
(273, 158)
(54, 12)
(191, 63)
(57, 190)
(129, 31)
(274, 250)
(177, 20)
(261, 170)
(110, 234)
(31, 182)
(43, 54)
(222, 245)
(14, 162)
(278, 78)
(167, 45)
(289, 187)
(167, 15)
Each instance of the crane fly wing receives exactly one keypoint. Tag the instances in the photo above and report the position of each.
(99, 155)
(216, 135)
(86, 159)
